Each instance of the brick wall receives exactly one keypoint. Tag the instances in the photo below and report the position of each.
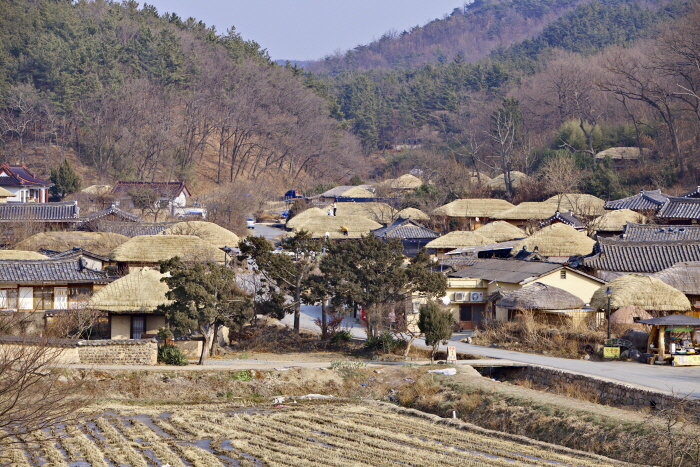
(118, 352)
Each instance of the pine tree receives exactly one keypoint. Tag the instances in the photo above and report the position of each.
(435, 324)
(65, 180)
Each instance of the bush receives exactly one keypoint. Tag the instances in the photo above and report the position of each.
(171, 355)
(384, 342)
(341, 336)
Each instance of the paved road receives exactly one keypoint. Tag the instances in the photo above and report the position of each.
(664, 378)
(268, 231)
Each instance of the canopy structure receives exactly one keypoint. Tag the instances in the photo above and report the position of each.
(672, 320)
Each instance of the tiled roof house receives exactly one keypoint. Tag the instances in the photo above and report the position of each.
(25, 187)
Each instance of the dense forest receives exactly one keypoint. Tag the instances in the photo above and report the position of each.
(535, 86)
(135, 95)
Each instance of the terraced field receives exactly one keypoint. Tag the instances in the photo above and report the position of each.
(338, 435)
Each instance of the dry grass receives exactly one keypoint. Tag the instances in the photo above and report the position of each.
(532, 332)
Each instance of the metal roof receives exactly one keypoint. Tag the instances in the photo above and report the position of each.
(66, 211)
(48, 271)
(641, 257)
(405, 228)
(660, 233)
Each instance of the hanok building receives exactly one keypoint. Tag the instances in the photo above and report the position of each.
(24, 186)
(171, 195)
(454, 240)
(470, 214)
(413, 236)
(474, 290)
(614, 223)
(556, 243)
(568, 218)
(634, 232)
(528, 216)
(645, 202)
(23, 219)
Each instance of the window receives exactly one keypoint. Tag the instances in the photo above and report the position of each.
(43, 298)
(471, 312)
(78, 296)
(138, 326)
(562, 274)
(8, 299)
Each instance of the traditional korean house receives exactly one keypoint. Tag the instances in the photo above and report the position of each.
(132, 304)
(580, 204)
(500, 231)
(412, 213)
(474, 290)
(23, 185)
(678, 210)
(413, 236)
(99, 221)
(498, 184)
(453, 240)
(336, 228)
(378, 212)
(568, 218)
(635, 232)
(556, 242)
(100, 243)
(554, 304)
(613, 258)
(207, 231)
(684, 276)
(52, 216)
(645, 202)
(469, 214)
(171, 195)
(528, 216)
(614, 223)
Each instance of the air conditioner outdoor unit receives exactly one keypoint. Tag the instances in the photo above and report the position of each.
(459, 296)
(476, 297)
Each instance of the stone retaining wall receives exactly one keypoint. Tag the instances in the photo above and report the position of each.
(609, 392)
(119, 352)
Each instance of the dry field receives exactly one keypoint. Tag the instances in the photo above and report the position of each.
(309, 434)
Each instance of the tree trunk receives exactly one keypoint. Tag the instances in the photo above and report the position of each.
(297, 305)
(206, 331)
(408, 345)
(324, 320)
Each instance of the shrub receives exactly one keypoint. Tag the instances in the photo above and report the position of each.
(171, 355)
(384, 342)
(341, 336)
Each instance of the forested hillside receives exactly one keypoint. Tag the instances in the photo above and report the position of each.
(135, 95)
(605, 73)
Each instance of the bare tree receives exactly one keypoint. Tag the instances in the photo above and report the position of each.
(561, 176)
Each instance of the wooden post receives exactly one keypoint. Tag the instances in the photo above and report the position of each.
(662, 343)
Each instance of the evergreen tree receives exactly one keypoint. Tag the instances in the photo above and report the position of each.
(65, 180)
(436, 324)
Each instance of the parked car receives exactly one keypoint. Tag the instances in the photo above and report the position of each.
(250, 223)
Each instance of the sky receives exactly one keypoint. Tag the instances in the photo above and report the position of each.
(309, 29)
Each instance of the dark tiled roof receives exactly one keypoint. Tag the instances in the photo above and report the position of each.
(458, 262)
(508, 271)
(641, 257)
(66, 211)
(567, 218)
(644, 200)
(405, 228)
(680, 208)
(694, 193)
(74, 252)
(111, 211)
(164, 189)
(660, 233)
(44, 271)
(19, 175)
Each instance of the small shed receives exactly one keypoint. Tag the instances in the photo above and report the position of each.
(556, 304)
(674, 339)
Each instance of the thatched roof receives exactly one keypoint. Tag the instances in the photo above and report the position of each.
(458, 239)
(305, 214)
(622, 153)
(645, 292)
(21, 254)
(525, 211)
(479, 179)
(578, 203)
(498, 182)
(97, 189)
(5, 193)
(357, 192)
(378, 212)
(615, 221)
(404, 182)
(356, 226)
(154, 248)
(539, 296)
(207, 231)
(557, 240)
(625, 315)
(500, 231)
(97, 242)
(483, 207)
(682, 276)
(412, 213)
(138, 292)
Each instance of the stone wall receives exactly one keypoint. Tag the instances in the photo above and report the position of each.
(609, 392)
(119, 352)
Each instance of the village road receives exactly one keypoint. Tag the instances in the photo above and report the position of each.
(664, 378)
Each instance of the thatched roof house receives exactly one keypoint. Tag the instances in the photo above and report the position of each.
(306, 213)
(140, 291)
(623, 318)
(484, 208)
(498, 183)
(404, 182)
(500, 231)
(378, 212)
(578, 203)
(539, 296)
(456, 239)
(613, 222)
(412, 213)
(207, 231)
(479, 179)
(356, 192)
(97, 242)
(150, 249)
(623, 153)
(524, 212)
(21, 254)
(132, 303)
(646, 292)
(557, 240)
(685, 277)
(98, 190)
(337, 227)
